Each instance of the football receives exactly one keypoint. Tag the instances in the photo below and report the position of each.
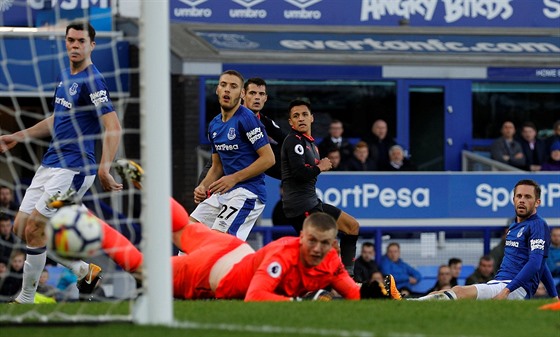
(74, 233)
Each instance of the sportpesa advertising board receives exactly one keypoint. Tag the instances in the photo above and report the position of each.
(483, 198)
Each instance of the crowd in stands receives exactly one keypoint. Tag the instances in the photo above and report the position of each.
(524, 150)
(376, 151)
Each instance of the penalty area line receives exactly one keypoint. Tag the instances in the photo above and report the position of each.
(273, 329)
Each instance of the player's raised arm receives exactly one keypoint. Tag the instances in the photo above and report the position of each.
(39, 130)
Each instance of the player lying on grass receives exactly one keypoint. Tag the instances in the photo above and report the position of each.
(220, 265)
(526, 250)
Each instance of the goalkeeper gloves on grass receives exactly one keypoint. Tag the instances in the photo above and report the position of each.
(318, 295)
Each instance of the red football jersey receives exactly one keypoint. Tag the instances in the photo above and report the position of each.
(276, 273)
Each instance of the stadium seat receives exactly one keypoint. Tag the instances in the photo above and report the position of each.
(466, 271)
(429, 279)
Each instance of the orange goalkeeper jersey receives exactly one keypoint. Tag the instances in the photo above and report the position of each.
(275, 273)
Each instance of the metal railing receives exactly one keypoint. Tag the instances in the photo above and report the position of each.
(476, 162)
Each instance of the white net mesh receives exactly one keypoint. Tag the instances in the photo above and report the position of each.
(30, 61)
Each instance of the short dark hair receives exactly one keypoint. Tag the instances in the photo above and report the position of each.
(82, 25)
(529, 182)
(454, 260)
(256, 81)
(298, 102)
(322, 221)
(486, 258)
(530, 125)
(4, 217)
(233, 73)
(393, 244)
(368, 244)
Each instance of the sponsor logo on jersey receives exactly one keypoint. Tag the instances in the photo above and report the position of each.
(73, 89)
(299, 149)
(512, 243)
(274, 269)
(248, 12)
(63, 102)
(226, 147)
(302, 13)
(99, 97)
(193, 11)
(231, 134)
(255, 135)
(537, 244)
(520, 232)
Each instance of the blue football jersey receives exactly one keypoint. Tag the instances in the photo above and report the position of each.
(526, 249)
(236, 142)
(79, 101)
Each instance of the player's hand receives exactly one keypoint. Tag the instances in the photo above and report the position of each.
(223, 184)
(318, 295)
(108, 182)
(200, 193)
(325, 164)
(7, 142)
(502, 295)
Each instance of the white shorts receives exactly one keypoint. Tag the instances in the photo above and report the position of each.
(51, 180)
(234, 212)
(487, 291)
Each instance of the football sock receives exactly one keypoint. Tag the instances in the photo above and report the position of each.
(179, 216)
(120, 249)
(348, 251)
(446, 295)
(33, 267)
(79, 268)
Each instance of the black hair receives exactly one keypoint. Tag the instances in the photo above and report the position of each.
(82, 25)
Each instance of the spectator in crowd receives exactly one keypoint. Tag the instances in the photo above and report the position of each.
(484, 272)
(44, 288)
(379, 143)
(360, 160)
(397, 160)
(335, 157)
(443, 279)
(335, 140)
(506, 149)
(12, 282)
(8, 240)
(553, 163)
(391, 263)
(534, 149)
(553, 261)
(455, 264)
(7, 203)
(3, 269)
(365, 266)
(555, 137)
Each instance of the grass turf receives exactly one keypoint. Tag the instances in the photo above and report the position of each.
(337, 318)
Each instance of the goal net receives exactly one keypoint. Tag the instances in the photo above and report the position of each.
(32, 54)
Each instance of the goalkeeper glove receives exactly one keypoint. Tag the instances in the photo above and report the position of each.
(318, 295)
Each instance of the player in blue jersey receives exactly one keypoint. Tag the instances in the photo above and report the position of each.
(526, 250)
(232, 195)
(82, 108)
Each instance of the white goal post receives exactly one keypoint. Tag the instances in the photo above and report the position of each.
(156, 305)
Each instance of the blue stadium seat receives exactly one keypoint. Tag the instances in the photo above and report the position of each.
(429, 279)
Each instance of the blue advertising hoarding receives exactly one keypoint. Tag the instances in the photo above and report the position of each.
(382, 43)
(474, 198)
(418, 13)
(32, 64)
(38, 13)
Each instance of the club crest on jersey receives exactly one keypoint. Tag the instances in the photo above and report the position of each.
(73, 89)
(299, 149)
(274, 269)
(231, 134)
(520, 232)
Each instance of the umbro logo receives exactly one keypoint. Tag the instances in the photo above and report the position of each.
(193, 3)
(248, 3)
(303, 4)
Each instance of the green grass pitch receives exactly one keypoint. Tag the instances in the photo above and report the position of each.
(336, 318)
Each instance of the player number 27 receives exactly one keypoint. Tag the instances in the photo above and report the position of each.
(231, 212)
